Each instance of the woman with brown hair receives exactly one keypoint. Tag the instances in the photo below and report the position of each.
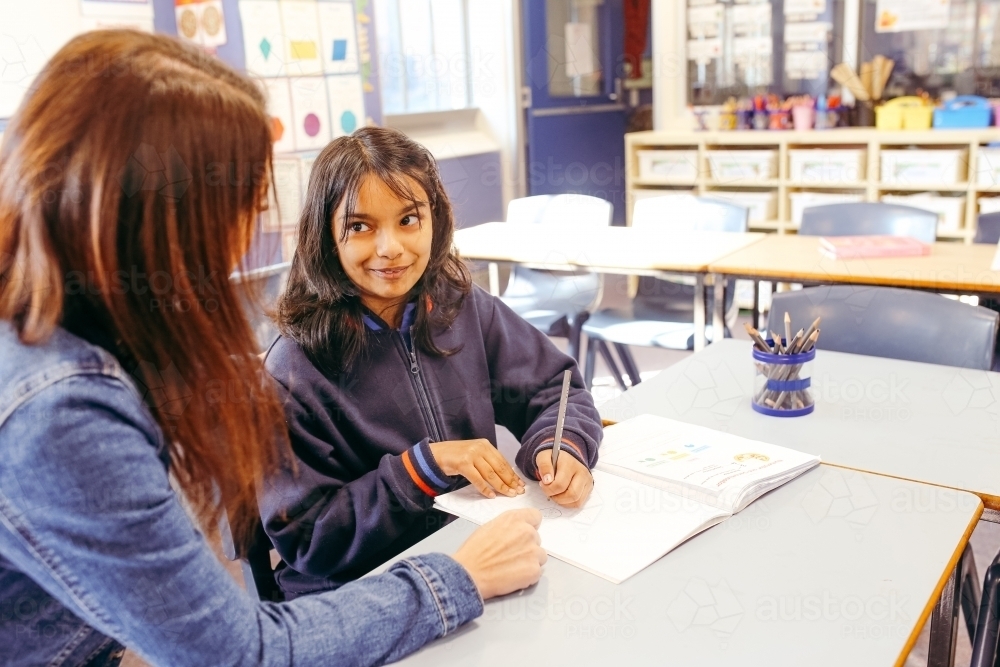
(130, 179)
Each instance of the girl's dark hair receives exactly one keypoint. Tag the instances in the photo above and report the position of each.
(321, 308)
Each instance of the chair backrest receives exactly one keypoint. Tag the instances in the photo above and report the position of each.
(260, 290)
(988, 228)
(575, 210)
(689, 213)
(867, 219)
(892, 323)
(255, 561)
(681, 213)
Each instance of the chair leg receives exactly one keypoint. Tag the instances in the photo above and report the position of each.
(588, 367)
(628, 362)
(602, 347)
(957, 595)
(984, 647)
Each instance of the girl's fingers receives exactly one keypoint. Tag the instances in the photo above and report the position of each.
(490, 475)
(503, 469)
(477, 481)
(577, 493)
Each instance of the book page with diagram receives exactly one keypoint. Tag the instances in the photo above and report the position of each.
(721, 469)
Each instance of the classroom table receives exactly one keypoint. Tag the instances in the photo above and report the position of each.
(917, 421)
(826, 570)
(950, 267)
(622, 250)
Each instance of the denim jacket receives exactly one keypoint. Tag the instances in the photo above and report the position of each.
(96, 548)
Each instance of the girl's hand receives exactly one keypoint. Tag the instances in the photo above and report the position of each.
(479, 462)
(572, 483)
(504, 555)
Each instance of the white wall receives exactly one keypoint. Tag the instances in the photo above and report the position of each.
(495, 76)
(669, 34)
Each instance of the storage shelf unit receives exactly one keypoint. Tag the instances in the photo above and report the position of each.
(871, 187)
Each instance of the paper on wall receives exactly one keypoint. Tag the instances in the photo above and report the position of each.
(337, 31)
(751, 19)
(201, 22)
(263, 38)
(704, 50)
(347, 103)
(805, 6)
(579, 50)
(286, 195)
(279, 107)
(811, 31)
(904, 15)
(311, 112)
(806, 64)
(302, 39)
(705, 21)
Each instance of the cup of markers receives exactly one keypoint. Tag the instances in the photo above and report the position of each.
(783, 381)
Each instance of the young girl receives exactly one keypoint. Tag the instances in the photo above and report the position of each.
(395, 370)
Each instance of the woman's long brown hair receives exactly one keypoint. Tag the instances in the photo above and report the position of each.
(130, 179)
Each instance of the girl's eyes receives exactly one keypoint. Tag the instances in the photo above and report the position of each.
(410, 220)
(357, 227)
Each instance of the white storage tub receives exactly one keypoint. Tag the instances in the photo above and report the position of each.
(763, 205)
(668, 165)
(803, 200)
(933, 166)
(740, 165)
(988, 167)
(950, 209)
(827, 165)
(989, 204)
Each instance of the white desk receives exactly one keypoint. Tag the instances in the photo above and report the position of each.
(923, 422)
(826, 570)
(622, 250)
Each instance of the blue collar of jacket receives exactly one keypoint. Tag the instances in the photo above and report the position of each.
(375, 323)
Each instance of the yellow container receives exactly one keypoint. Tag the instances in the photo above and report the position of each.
(904, 113)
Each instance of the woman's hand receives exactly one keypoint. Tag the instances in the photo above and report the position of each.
(572, 483)
(504, 555)
(479, 462)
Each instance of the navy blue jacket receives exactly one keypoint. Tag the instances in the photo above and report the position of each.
(363, 490)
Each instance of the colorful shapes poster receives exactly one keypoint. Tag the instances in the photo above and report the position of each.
(263, 38)
(337, 30)
(302, 39)
(279, 107)
(347, 103)
(201, 21)
(311, 112)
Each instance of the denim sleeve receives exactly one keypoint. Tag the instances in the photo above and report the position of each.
(526, 371)
(87, 511)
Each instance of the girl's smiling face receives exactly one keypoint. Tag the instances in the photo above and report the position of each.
(387, 244)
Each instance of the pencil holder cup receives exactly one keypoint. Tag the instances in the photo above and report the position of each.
(782, 386)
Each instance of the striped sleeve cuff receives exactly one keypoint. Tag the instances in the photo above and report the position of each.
(424, 471)
(569, 445)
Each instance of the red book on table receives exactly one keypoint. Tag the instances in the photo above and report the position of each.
(856, 247)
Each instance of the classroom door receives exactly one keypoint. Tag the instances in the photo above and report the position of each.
(573, 55)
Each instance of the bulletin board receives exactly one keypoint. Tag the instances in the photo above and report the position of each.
(738, 48)
(931, 45)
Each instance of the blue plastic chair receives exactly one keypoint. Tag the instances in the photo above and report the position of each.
(557, 303)
(869, 218)
(662, 312)
(988, 228)
(260, 290)
(892, 323)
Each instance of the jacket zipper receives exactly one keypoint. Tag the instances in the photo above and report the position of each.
(422, 396)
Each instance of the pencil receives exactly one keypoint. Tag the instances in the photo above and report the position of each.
(788, 329)
(561, 418)
(755, 335)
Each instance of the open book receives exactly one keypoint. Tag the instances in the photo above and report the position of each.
(658, 483)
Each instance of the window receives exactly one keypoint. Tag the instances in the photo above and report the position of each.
(423, 55)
